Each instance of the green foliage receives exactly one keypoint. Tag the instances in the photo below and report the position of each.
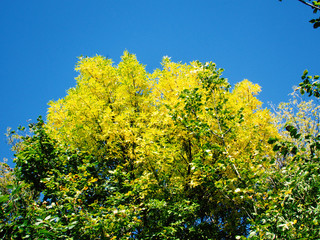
(310, 85)
(15, 200)
(290, 208)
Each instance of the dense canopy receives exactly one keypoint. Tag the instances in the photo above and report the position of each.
(173, 154)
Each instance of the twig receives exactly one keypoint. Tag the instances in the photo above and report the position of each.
(309, 4)
(235, 168)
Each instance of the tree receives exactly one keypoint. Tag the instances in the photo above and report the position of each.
(315, 6)
(175, 154)
(291, 205)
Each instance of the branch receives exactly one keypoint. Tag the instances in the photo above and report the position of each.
(235, 168)
(309, 4)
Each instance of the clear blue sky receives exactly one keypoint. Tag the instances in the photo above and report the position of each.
(267, 42)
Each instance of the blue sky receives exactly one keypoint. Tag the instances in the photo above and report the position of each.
(267, 42)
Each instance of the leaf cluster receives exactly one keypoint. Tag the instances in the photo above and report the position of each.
(315, 6)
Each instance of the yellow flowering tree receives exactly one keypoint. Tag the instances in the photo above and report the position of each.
(173, 154)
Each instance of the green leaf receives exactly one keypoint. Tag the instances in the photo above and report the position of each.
(294, 150)
(304, 74)
(272, 140)
(316, 25)
(293, 131)
(276, 147)
(4, 198)
(72, 225)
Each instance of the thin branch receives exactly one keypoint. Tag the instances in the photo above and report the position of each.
(236, 170)
(309, 4)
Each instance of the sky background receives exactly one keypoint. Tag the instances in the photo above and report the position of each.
(268, 42)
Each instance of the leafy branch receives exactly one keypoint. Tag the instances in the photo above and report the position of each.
(314, 5)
